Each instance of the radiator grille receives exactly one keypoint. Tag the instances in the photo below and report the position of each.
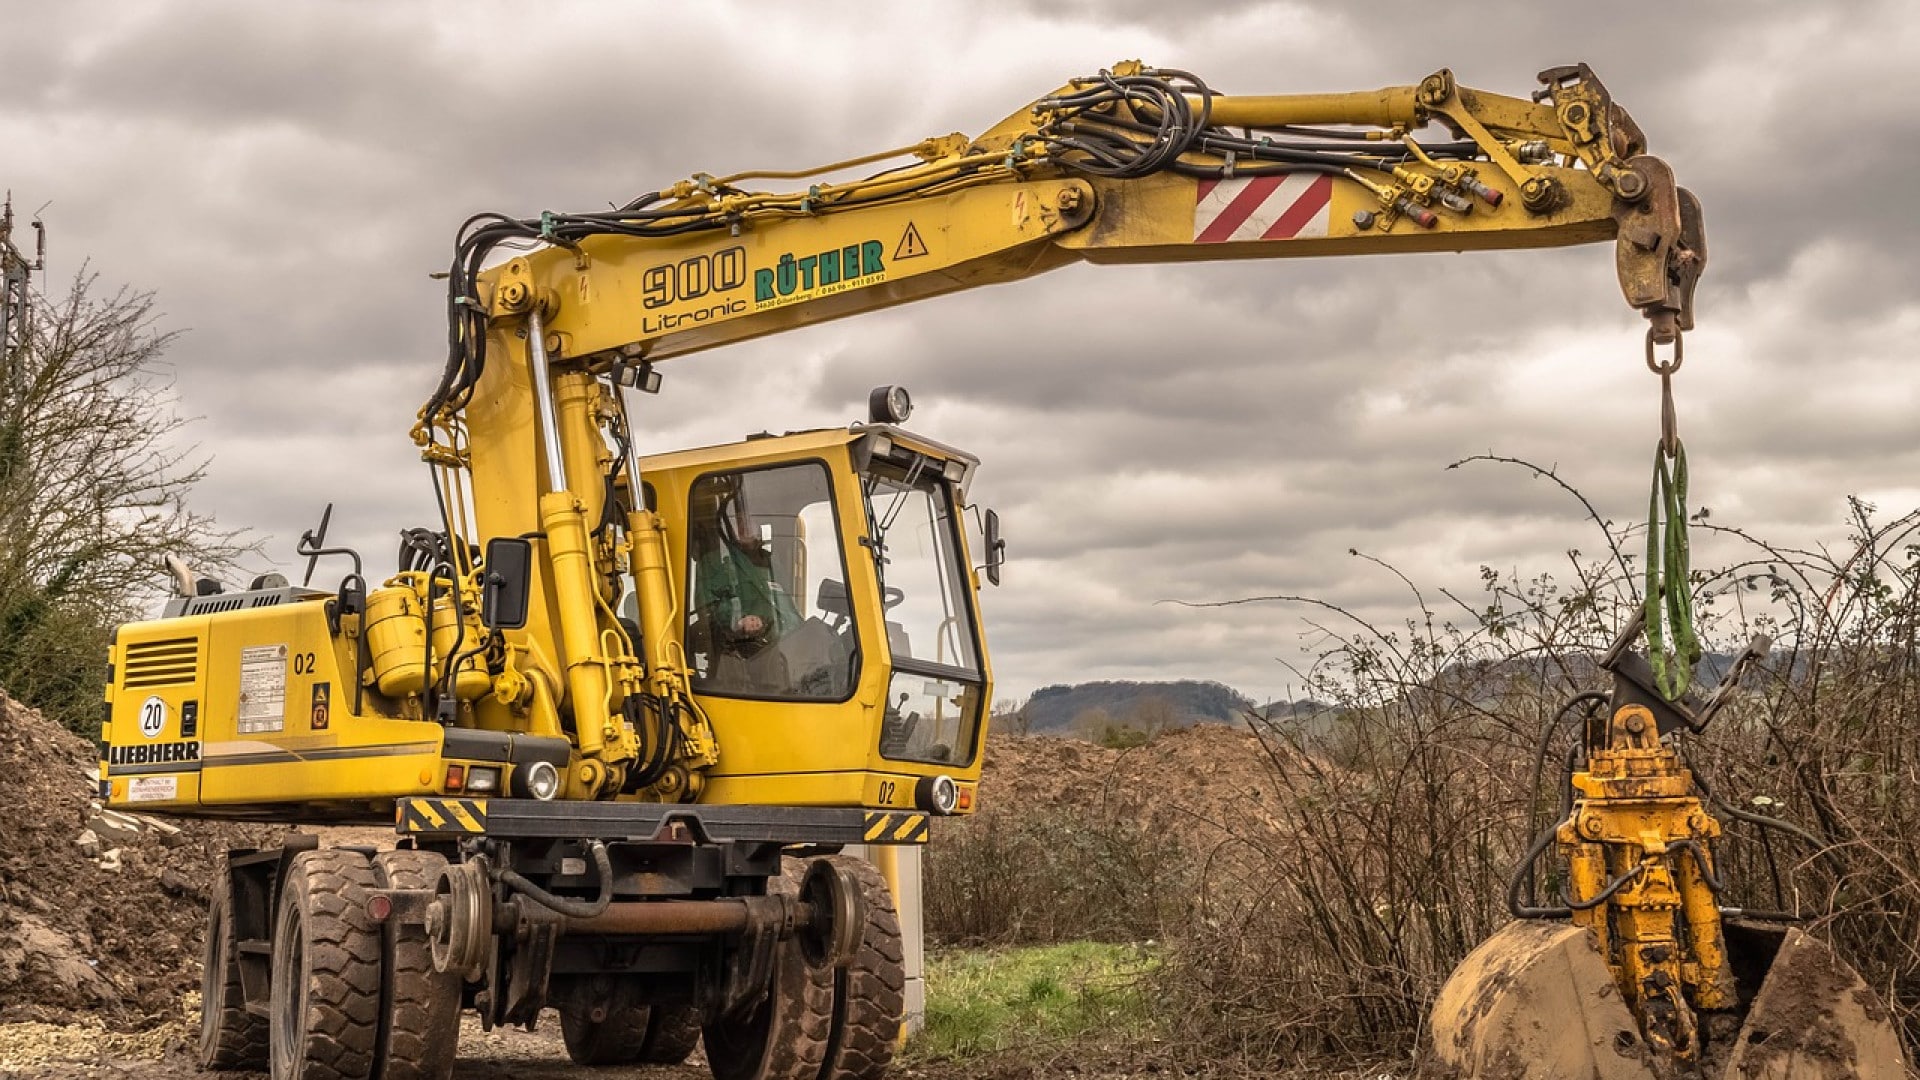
(162, 663)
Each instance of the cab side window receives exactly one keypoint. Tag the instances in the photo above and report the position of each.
(767, 610)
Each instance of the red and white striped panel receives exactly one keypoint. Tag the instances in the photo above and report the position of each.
(1263, 208)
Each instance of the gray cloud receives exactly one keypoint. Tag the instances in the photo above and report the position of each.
(285, 177)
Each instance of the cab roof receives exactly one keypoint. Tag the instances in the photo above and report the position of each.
(769, 446)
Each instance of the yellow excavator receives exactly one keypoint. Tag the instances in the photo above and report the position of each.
(626, 711)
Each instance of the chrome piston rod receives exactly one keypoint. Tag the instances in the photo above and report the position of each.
(540, 371)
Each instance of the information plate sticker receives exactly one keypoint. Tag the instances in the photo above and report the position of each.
(263, 689)
(153, 789)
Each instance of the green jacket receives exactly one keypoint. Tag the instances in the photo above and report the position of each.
(730, 584)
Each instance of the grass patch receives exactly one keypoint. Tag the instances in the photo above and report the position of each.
(983, 1002)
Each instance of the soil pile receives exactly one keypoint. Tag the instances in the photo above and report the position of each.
(1208, 778)
(83, 932)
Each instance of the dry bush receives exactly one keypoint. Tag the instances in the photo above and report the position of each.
(1830, 742)
(1396, 819)
(1056, 874)
(1380, 853)
(1399, 818)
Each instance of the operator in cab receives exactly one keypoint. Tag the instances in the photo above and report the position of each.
(738, 599)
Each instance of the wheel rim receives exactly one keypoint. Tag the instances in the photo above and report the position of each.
(289, 994)
(839, 916)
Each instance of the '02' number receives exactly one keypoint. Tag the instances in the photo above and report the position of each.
(886, 792)
(303, 663)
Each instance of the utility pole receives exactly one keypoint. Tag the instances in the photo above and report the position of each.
(15, 270)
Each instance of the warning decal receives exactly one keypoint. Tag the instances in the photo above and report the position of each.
(1286, 207)
(153, 789)
(910, 244)
(322, 704)
(263, 689)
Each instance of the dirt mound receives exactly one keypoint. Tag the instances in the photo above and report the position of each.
(1209, 778)
(78, 936)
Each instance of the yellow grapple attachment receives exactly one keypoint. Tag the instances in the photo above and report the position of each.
(1536, 1001)
(1640, 972)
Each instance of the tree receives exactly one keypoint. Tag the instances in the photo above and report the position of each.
(1154, 715)
(1010, 717)
(93, 487)
(1097, 725)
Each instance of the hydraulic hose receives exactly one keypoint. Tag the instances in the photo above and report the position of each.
(1519, 878)
(561, 905)
(1612, 887)
(1523, 873)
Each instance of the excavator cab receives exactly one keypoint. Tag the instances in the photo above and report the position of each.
(831, 621)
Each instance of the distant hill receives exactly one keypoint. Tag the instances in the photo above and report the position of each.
(1086, 708)
(1161, 704)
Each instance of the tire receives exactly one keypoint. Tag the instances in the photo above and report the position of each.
(230, 1036)
(783, 1036)
(618, 1034)
(419, 1032)
(326, 970)
(870, 994)
(672, 1033)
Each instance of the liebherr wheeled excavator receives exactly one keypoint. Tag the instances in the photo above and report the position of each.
(625, 710)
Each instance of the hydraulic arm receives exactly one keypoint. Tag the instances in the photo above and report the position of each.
(1136, 165)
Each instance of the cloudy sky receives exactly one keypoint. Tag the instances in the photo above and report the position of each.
(285, 176)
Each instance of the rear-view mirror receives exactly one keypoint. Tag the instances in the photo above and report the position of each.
(996, 547)
(508, 580)
(833, 597)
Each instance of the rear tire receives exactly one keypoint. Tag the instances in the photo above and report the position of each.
(869, 995)
(326, 970)
(617, 1037)
(672, 1033)
(419, 1007)
(230, 1036)
(783, 1036)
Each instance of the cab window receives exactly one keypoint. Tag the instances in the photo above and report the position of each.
(767, 610)
(935, 697)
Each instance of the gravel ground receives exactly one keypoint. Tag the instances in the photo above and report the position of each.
(36, 1051)
(88, 1051)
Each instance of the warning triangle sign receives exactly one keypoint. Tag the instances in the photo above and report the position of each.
(910, 244)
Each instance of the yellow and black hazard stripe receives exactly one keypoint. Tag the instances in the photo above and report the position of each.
(442, 816)
(888, 828)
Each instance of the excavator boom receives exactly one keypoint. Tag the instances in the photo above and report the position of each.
(1134, 166)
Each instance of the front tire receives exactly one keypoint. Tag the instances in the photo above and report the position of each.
(869, 994)
(672, 1033)
(419, 1007)
(783, 1036)
(602, 1024)
(326, 970)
